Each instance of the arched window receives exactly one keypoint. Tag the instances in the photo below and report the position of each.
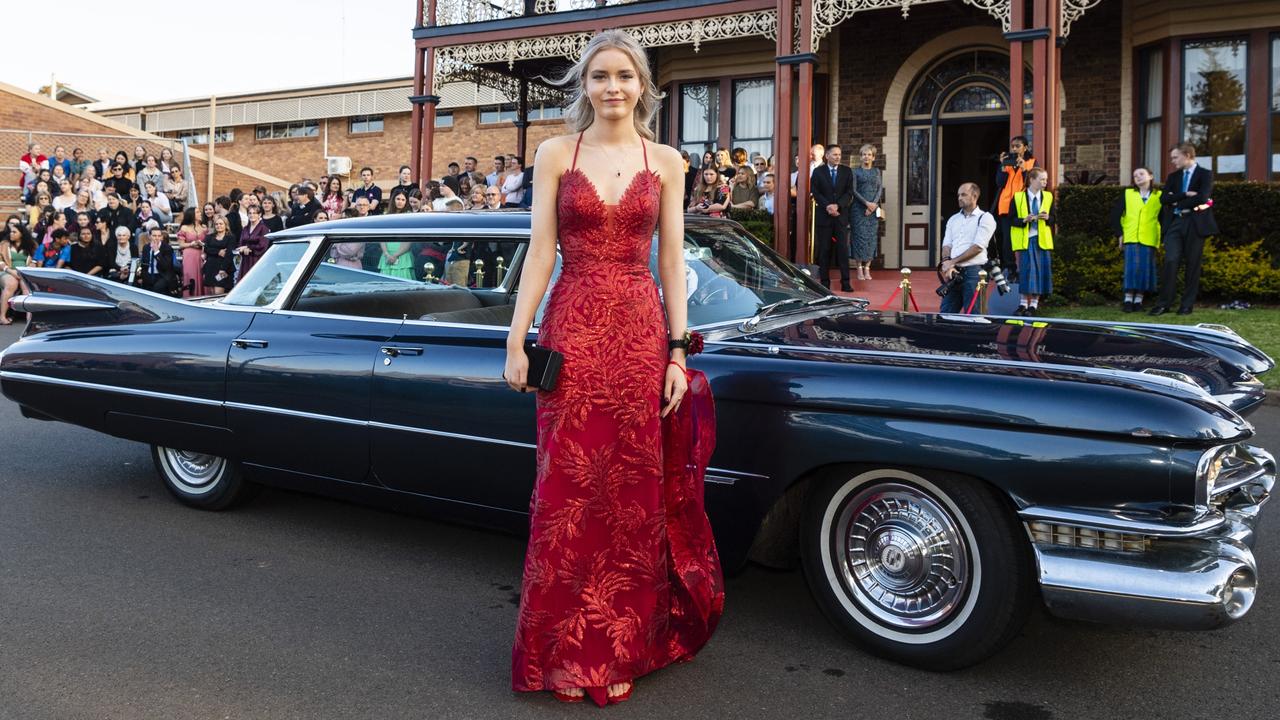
(987, 69)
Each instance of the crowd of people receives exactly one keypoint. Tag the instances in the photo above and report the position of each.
(133, 219)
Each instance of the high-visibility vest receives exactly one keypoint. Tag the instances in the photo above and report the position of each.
(1141, 220)
(1014, 183)
(1018, 235)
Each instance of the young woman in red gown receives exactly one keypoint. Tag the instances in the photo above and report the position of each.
(621, 575)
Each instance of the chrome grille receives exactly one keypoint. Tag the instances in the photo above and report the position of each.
(1044, 533)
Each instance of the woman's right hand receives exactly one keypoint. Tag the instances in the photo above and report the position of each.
(516, 372)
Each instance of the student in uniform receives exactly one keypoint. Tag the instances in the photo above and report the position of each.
(1136, 223)
(1031, 237)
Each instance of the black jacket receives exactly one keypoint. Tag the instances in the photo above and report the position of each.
(304, 214)
(121, 216)
(1173, 197)
(824, 194)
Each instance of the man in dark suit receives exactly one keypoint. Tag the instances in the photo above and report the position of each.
(1187, 220)
(158, 273)
(831, 185)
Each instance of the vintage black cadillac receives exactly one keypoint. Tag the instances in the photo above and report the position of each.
(932, 473)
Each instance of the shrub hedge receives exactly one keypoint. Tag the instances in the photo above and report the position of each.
(1241, 262)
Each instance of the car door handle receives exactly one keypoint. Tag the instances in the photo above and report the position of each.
(243, 343)
(397, 351)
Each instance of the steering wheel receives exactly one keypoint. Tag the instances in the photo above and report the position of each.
(716, 290)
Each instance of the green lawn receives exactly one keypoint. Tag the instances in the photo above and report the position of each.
(1258, 325)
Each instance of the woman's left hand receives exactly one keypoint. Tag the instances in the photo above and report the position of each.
(673, 388)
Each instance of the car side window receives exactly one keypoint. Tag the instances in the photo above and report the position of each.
(394, 278)
(262, 285)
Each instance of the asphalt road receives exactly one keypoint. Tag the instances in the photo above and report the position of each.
(116, 602)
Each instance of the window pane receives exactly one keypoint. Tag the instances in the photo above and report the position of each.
(1214, 76)
(753, 108)
(1153, 80)
(925, 95)
(1152, 154)
(974, 98)
(1219, 144)
(1275, 74)
(264, 282)
(444, 118)
(699, 113)
(918, 167)
(1275, 147)
(498, 113)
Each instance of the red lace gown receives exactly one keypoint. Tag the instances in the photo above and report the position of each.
(621, 576)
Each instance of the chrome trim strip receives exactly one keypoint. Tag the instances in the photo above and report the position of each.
(708, 477)
(27, 377)
(335, 316)
(736, 473)
(443, 433)
(439, 233)
(52, 302)
(1118, 523)
(293, 413)
(983, 362)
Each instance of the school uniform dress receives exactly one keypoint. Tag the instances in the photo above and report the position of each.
(1033, 242)
(1136, 220)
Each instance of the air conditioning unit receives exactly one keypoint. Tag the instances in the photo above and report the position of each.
(339, 165)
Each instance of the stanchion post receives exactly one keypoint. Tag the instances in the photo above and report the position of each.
(905, 286)
(982, 292)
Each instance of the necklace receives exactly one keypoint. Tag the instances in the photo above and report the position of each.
(616, 166)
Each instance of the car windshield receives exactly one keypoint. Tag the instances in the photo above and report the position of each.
(729, 275)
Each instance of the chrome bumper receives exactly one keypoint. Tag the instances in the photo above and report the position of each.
(1187, 578)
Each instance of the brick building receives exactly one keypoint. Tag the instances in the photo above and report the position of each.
(293, 133)
(27, 117)
(939, 86)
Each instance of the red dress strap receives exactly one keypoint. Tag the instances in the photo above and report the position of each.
(645, 149)
(575, 151)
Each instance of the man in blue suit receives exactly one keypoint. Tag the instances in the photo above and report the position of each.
(1187, 214)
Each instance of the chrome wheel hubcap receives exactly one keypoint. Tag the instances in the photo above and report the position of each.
(904, 559)
(193, 472)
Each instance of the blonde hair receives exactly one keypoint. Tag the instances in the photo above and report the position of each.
(579, 114)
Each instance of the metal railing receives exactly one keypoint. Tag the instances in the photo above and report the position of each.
(457, 12)
(14, 143)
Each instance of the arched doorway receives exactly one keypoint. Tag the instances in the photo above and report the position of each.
(955, 122)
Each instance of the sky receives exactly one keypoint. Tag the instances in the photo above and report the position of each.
(157, 50)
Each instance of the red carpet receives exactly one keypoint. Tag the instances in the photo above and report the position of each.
(883, 282)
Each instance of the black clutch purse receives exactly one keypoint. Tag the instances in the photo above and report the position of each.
(544, 367)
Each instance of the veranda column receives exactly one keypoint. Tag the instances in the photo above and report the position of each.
(1046, 18)
(522, 122)
(804, 132)
(782, 149)
(415, 120)
(1016, 90)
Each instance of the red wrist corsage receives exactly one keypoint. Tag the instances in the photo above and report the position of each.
(695, 342)
(1201, 208)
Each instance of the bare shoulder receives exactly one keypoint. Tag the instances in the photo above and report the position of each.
(554, 154)
(667, 161)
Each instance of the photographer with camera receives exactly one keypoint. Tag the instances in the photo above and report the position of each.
(1011, 179)
(964, 250)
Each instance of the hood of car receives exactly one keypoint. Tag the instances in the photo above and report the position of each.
(1219, 363)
